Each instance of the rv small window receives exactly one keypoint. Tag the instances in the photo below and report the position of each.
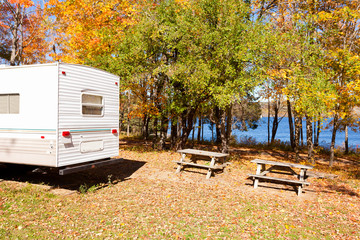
(9, 103)
(92, 105)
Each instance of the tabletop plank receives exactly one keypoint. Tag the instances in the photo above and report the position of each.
(261, 161)
(203, 153)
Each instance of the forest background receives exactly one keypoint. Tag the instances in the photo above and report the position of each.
(181, 61)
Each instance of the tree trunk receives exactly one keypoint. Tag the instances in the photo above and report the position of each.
(221, 126)
(301, 133)
(333, 137)
(145, 127)
(21, 41)
(291, 124)
(268, 123)
(212, 132)
(218, 134)
(309, 139)
(202, 129)
(228, 125)
(173, 134)
(275, 121)
(216, 121)
(179, 127)
(159, 142)
(187, 122)
(316, 132)
(225, 128)
(199, 128)
(121, 114)
(297, 137)
(128, 118)
(193, 132)
(346, 139)
(156, 127)
(15, 40)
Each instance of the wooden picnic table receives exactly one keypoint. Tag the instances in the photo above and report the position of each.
(214, 157)
(281, 168)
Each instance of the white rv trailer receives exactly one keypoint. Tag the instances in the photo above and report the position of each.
(58, 114)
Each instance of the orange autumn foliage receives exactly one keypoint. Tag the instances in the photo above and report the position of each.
(23, 35)
(85, 29)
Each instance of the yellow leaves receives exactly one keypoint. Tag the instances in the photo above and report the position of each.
(324, 16)
(143, 108)
(279, 73)
(87, 28)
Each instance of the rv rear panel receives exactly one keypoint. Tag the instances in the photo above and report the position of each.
(89, 110)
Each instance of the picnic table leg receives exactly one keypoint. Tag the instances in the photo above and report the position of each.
(301, 178)
(299, 190)
(258, 170)
(263, 168)
(180, 165)
(212, 163)
(301, 175)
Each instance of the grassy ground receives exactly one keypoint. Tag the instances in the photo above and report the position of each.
(142, 198)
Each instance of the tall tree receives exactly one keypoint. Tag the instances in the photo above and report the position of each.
(221, 49)
(22, 34)
(339, 24)
(196, 53)
(301, 66)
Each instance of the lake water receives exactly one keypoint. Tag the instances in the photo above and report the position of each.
(260, 134)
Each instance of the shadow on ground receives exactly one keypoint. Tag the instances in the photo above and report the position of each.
(99, 177)
(341, 189)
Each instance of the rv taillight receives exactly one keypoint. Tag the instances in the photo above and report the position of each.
(116, 83)
(114, 131)
(42, 137)
(65, 133)
(63, 73)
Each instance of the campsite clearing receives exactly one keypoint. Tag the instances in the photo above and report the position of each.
(142, 197)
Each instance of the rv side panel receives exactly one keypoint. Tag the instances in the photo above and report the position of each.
(88, 114)
(28, 110)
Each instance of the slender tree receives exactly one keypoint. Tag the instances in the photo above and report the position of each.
(22, 33)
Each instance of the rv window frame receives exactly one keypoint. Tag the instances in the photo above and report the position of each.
(102, 105)
(8, 112)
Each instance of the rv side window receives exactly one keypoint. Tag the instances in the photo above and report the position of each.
(9, 103)
(92, 105)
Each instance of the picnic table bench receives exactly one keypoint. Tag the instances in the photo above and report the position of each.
(280, 168)
(196, 155)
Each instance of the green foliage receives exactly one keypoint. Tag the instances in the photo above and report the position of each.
(84, 188)
(180, 58)
(206, 51)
